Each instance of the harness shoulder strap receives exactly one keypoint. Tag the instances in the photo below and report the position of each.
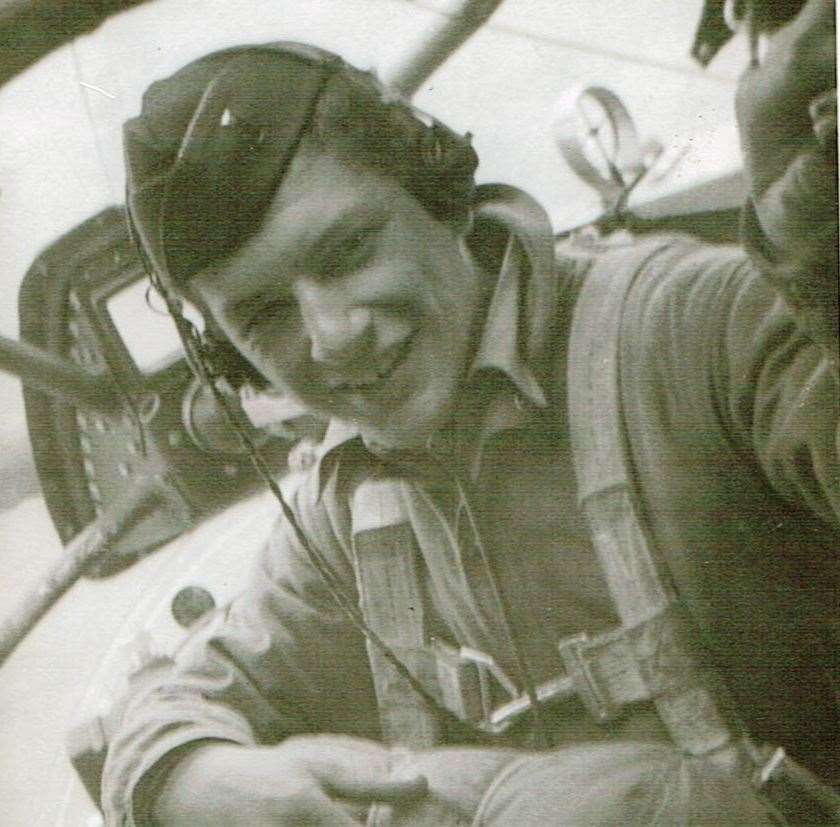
(683, 689)
(690, 699)
(391, 600)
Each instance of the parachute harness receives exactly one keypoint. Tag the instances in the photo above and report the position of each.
(195, 350)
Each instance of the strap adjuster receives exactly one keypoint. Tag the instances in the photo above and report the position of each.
(503, 717)
(604, 671)
(465, 678)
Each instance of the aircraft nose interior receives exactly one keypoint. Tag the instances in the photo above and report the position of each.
(86, 300)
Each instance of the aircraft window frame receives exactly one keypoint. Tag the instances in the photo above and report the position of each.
(131, 345)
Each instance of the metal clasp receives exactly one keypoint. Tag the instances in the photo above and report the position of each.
(465, 677)
(604, 672)
(505, 716)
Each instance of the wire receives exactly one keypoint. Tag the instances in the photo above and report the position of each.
(194, 350)
(505, 612)
(330, 578)
(147, 298)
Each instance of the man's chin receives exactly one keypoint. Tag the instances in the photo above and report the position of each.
(408, 425)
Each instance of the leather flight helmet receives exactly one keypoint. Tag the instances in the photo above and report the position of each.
(211, 145)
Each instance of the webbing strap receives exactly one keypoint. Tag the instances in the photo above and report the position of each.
(689, 697)
(391, 598)
(638, 580)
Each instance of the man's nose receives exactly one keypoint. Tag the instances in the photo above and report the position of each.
(338, 329)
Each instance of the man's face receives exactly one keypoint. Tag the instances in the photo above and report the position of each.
(353, 299)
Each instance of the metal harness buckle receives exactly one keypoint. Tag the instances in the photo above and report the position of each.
(602, 671)
(605, 672)
(465, 678)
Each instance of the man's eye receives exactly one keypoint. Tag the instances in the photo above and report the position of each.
(352, 252)
(268, 313)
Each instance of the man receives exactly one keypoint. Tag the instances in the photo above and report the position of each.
(336, 241)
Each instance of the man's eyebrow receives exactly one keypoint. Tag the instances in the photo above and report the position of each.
(318, 246)
(247, 305)
(345, 225)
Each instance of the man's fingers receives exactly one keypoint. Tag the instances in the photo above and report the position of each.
(815, 14)
(803, 52)
(356, 769)
(368, 790)
(772, 103)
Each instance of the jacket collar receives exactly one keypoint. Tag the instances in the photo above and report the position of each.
(517, 329)
(498, 350)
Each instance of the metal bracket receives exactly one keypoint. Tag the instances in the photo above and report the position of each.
(605, 672)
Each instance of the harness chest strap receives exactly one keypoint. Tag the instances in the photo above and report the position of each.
(391, 600)
(650, 657)
(655, 655)
(603, 672)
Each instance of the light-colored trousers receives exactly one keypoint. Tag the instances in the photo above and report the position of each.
(625, 784)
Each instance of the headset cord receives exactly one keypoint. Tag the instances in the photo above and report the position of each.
(330, 578)
(194, 349)
(499, 596)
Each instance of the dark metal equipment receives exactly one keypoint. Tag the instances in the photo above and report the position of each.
(128, 453)
(83, 552)
(720, 19)
(415, 64)
(79, 307)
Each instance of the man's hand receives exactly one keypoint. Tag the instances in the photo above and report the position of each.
(310, 781)
(773, 98)
(787, 117)
(786, 110)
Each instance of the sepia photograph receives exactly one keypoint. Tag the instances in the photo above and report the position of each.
(419, 413)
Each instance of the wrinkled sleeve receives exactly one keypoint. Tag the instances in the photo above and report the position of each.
(733, 368)
(786, 109)
(279, 660)
(790, 232)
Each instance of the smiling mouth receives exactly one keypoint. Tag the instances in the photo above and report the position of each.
(373, 379)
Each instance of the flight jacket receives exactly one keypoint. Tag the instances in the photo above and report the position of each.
(731, 415)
